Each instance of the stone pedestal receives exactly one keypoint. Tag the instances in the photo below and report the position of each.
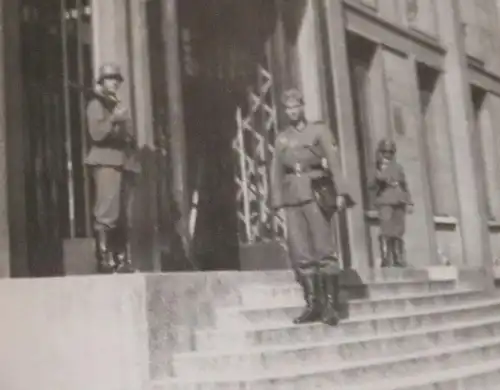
(442, 273)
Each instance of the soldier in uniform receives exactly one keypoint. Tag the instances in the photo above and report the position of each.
(300, 152)
(393, 201)
(113, 160)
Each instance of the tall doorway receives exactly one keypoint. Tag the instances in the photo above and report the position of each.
(56, 62)
(237, 57)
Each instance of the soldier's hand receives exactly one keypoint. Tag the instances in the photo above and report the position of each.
(276, 208)
(410, 209)
(120, 113)
(340, 202)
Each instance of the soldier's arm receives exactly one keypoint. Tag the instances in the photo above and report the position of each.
(100, 127)
(129, 127)
(405, 187)
(276, 178)
(125, 130)
(333, 159)
(373, 178)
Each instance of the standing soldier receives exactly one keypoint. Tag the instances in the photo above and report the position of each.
(393, 200)
(112, 157)
(299, 173)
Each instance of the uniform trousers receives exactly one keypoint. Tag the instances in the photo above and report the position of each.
(113, 189)
(311, 243)
(392, 220)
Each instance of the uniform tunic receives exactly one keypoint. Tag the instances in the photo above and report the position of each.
(299, 154)
(110, 156)
(391, 198)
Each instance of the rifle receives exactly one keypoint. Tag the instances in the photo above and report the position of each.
(109, 101)
(90, 93)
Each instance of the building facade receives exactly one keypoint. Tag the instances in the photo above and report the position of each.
(202, 79)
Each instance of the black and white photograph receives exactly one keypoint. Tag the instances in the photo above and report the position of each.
(249, 194)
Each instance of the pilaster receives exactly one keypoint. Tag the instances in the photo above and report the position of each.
(467, 164)
(427, 218)
(308, 58)
(176, 126)
(346, 129)
(110, 41)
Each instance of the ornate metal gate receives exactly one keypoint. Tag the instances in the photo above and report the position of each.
(55, 39)
(257, 129)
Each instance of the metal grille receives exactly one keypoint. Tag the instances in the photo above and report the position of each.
(254, 148)
(55, 39)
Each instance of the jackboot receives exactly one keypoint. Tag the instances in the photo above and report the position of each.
(124, 263)
(312, 311)
(398, 250)
(385, 252)
(104, 257)
(330, 299)
(120, 253)
(300, 280)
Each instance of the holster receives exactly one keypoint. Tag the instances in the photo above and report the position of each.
(325, 194)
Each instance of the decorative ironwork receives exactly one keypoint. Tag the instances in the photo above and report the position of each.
(254, 147)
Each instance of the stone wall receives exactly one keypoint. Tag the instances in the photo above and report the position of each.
(106, 332)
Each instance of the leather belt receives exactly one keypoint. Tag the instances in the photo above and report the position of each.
(298, 169)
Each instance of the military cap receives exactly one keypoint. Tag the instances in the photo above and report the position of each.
(108, 71)
(387, 145)
(292, 97)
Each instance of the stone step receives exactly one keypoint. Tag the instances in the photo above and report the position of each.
(335, 374)
(269, 312)
(483, 375)
(290, 357)
(388, 274)
(231, 338)
(282, 293)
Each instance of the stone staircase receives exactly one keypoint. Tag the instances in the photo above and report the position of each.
(409, 333)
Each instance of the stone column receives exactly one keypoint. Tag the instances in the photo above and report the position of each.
(109, 33)
(173, 77)
(347, 132)
(13, 218)
(144, 214)
(473, 219)
(308, 63)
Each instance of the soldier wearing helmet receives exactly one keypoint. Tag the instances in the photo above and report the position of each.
(300, 152)
(113, 161)
(393, 201)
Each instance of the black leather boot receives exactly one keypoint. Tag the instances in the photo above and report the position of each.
(104, 257)
(121, 255)
(330, 299)
(124, 264)
(312, 311)
(385, 252)
(398, 252)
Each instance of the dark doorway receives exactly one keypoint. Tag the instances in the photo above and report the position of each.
(229, 104)
(56, 54)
